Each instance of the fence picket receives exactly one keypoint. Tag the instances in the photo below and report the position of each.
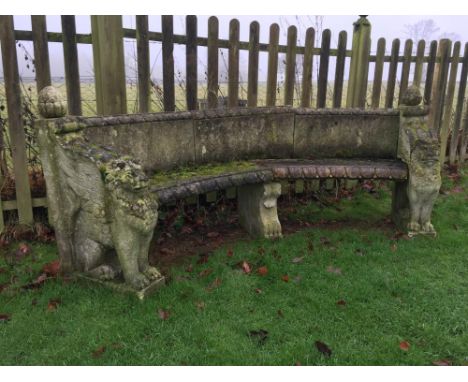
(233, 70)
(430, 72)
(405, 71)
(167, 26)
(307, 68)
(323, 69)
(339, 69)
(70, 58)
(448, 102)
(41, 51)
(213, 30)
(15, 120)
(290, 66)
(455, 140)
(392, 71)
(272, 74)
(252, 86)
(378, 72)
(418, 67)
(143, 61)
(191, 60)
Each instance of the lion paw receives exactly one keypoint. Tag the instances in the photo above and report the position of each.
(138, 281)
(104, 272)
(428, 228)
(273, 230)
(151, 273)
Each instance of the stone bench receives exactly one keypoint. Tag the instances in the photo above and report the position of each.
(106, 176)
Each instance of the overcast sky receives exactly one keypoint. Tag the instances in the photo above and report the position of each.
(386, 26)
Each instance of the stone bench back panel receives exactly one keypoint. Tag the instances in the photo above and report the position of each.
(166, 140)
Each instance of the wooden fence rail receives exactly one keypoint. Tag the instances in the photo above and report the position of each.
(436, 73)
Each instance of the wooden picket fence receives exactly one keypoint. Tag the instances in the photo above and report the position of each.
(439, 68)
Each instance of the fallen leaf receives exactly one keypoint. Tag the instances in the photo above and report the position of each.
(297, 279)
(205, 272)
(5, 317)
(297, 260)
(442, 362)
(310, 246)
(280, 313)
(189, 269)
(404, 345)
(246, 267)
(167, 251)
(163, 314)
(34, 302)
(186, 230)
(36, 283)
(258, 291)
(23, 251)
(99, 352)
(117, 346)
(262, 271)
(335, 270)
(323, 348)
(3, 286)
(285, 278)
(229, 253)
(200, 305)
(53, 304)
(51, 269)
(212, 235)
(298, 363)
(261, 251)
(393, 247)
(203, 258)
(341, 302)
(215, 284)
(260, 335)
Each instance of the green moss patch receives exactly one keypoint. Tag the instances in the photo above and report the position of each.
(212, 169)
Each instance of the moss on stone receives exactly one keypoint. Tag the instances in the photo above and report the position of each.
(212, 169)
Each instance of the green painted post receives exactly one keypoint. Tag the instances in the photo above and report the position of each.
(359, 67)
(109, 64)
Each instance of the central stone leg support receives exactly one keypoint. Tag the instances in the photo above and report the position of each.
(257, 206)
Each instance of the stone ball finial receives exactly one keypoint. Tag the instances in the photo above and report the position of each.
(412, 96)
(50, 103)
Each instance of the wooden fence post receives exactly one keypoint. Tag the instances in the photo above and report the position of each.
(252, 86)
(41, 52)
(70, 59)
(167, 26)
(290, 71)
(109, 64)
(378, 72)
(438, 89)
(448, 102)
(143, 62)
(307, 68)
(457, 124)
(213, 51)
(191, 63)
(233, 69)
(359, 67)
(15, 120)
(272, 74)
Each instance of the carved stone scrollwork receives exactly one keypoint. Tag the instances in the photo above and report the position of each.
(257, 206)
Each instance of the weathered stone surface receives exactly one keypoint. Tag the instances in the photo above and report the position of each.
(419, 148)
(157, 145)
(346, 135)
(257, 206)
(51, 103)
(244, 137)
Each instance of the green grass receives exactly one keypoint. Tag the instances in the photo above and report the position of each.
(395, 290)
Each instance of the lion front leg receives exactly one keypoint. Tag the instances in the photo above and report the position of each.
(415, 202)
(257, 206)
(152, 273)
(426, 212)
(127, 243)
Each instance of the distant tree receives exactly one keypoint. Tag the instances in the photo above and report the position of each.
(421, 30)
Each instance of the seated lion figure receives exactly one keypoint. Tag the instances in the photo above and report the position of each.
(112, 214)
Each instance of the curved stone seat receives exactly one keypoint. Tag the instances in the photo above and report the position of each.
(269, 170)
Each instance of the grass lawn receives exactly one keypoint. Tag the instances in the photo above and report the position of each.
(348, 280)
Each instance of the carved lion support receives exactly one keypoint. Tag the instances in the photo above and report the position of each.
(100, 205)
(257, 206)
(418, 147)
